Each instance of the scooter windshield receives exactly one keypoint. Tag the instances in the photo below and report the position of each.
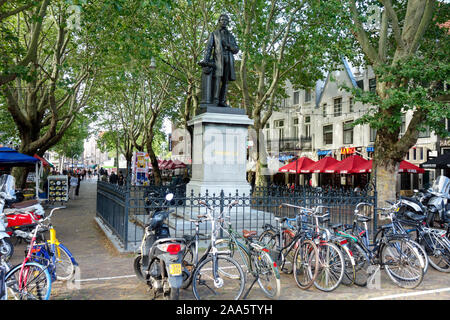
(8, 185)
(441, 185)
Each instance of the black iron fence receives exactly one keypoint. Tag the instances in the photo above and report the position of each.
(125, 210)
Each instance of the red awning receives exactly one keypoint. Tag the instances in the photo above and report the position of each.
(179, 164)
(320, 166)
(367, 167)
(297, 165)
(352, 164)
(45, 163)
(167, 165)
(405, 166)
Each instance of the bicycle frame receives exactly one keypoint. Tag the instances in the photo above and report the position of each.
(52, 249)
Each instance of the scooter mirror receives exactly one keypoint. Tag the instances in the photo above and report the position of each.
(169, 196)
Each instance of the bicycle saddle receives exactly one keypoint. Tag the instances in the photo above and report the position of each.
(363, 219)
(248, 234)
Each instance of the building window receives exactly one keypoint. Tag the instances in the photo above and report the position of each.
(351, 107)
(328, 134)
(307, 126)
(307, 95)
(308, 130)
(296, 97)
(279, 123)
(360, 84)
(324, 110)
(295, 121)
(348, 132)
(372, 85)
(337, 107)
(267, 125)
(373, 134)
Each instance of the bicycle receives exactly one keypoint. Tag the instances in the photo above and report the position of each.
(256, 258)
(434, 243)
(292, 247)
(62, 263)
(349, 262)
(215, 274)
(396, 227)
(331, 259)
(30, 280)
(394, 252)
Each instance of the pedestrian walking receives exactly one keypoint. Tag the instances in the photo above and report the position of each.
(120, 179)
(113, 178)
(73, 185)
(77, 190)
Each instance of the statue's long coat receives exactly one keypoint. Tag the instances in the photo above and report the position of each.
(215, 41)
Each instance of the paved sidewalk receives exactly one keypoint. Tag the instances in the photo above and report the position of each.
(106, 274)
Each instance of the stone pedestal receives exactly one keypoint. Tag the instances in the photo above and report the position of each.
(219, 153)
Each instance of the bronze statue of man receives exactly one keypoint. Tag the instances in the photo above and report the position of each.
(224, 45)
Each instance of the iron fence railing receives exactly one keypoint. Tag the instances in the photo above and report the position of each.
(125, 210)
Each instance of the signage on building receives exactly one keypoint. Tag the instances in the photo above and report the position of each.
(347, 150)
(323, 152)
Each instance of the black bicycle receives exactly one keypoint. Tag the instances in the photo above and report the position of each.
(216, 275)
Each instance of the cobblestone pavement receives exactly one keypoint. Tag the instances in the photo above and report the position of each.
(106, 274)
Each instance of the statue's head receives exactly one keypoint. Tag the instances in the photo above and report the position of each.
(224, 20)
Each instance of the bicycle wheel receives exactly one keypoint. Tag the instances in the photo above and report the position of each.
(268, 275)
(288, 254)
(349, 270)
(269, 239)
(331, 267)
(362, 263)
(64, 267)
(227, 285)
(381, 233)
(36, 282)
(306, 264)
(402, 263)
(437, 251)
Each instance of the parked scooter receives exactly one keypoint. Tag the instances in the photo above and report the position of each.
(438, 203)
(159, 261)
(6, 246)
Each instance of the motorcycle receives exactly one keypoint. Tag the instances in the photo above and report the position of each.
(17, 213)
(6, 246)
(158, 263)
(437, 202)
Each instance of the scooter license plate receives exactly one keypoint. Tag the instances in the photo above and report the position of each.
(175, 269)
